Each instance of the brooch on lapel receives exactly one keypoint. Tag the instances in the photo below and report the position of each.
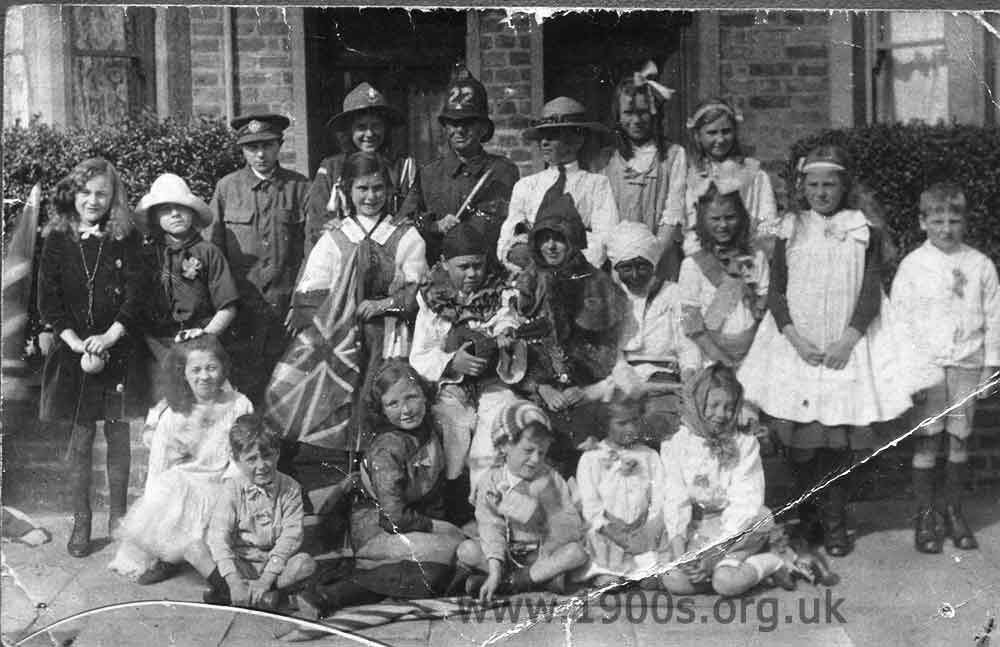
(190, 267)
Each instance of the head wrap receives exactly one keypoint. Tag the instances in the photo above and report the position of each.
(514, 418)
(722, 442)
(463, 240)
(633, 239)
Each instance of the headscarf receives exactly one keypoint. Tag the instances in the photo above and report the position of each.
(721, 444)
(634, 239)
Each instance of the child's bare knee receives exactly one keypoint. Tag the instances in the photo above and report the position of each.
(925, 452)
(958, 449)
(676, 582)
(727, 581)
(303, 565)
(575, 555)
(469, 553)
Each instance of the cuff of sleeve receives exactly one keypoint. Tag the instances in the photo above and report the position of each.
(495, 554)
(275, 564)
(227, 567)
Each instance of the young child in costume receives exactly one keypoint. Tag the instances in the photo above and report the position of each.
(647, 173)
(823, 363)
(714, 489)
(90, 291)
(717, 157)
(196, 291)
(256, 529)
(654, 353)
(574, 314)
(946, 297)
(464, 324)
(403, 547)
(530, 533)
(621, 485)
(723, 285)
(189, 452)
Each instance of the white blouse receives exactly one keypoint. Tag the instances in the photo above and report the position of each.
(693, 475)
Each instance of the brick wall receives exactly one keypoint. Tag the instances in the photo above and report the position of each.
(262, 64)
(775, 66)
(506, 71)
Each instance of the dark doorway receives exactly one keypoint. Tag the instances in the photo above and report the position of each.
(407, 55)
(587, 53)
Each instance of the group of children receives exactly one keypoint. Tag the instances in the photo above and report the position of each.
(661, 303)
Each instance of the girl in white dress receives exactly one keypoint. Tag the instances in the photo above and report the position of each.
(716, 156)
(189, 452)
(621, 493)
(823, 362)
(723, 285)
(714, 489)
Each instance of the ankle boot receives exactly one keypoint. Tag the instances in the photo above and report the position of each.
(836, 540)
(806, 476)
(955, 525)
(925, 536)
(517, 582)
(218, 589)
(119, 463)
(79, 539)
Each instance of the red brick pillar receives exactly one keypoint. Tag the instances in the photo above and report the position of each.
(511, 69)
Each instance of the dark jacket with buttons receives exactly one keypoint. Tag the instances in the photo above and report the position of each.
(259, 228)
(441, 187)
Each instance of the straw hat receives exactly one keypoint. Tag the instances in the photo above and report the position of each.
(365, 98)
(170, 188)
(563, 112)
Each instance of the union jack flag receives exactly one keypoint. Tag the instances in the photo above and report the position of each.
(311, 392)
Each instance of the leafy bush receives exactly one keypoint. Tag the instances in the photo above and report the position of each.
(200, 151)
(897, 162)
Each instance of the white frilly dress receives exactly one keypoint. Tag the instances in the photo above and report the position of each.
(826, 263)
(626, 484)
(187, 458)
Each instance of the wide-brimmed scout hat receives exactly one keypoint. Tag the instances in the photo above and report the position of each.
(563, 112)
(170, 188)
(466, 99)
(365, 98)
(259, 127)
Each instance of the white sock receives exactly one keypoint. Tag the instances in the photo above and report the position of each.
(765, 564)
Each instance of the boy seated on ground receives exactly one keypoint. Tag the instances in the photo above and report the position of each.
(530, 532)
(256, 531)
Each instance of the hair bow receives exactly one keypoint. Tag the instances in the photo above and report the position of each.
(337, 200)
(646, 77)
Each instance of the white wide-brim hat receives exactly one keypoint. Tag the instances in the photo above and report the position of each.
(170, 188)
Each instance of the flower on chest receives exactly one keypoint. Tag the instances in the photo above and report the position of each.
(190, 268)
(959, 281)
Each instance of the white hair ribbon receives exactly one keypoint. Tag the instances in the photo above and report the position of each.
(646, 77)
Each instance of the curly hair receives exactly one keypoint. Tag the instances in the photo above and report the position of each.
(832, 153)
(389, 373)
(251, 430)
(712, 109)
(118, 221)
(173, 384)
(627, 88)
(741, 238)
(345, 136)
(359, 165)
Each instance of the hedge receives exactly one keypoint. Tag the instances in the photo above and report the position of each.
(899, 161)
(201, 151)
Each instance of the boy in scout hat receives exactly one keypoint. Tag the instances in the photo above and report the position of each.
(259, 218)
(444, 185)
(364, 125)
(561, 133)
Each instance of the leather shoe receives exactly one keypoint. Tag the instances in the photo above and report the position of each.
(79, 539)
(925, 535)
(958, 529)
